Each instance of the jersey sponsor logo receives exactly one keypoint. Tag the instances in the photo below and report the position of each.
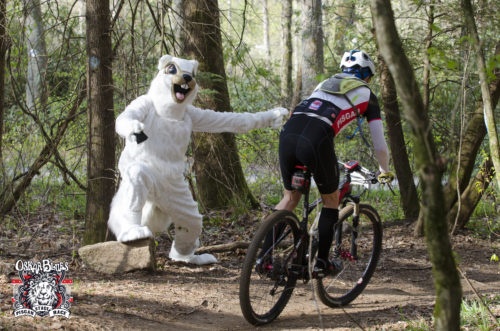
(344, 118)
(315, 105)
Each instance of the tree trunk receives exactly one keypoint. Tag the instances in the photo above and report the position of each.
(219, 176)
(429, 166)
(298, 87)
(408, 191)
(345, 10)
(470, 197)
(312, 45)
(101, 122)
(286, 52)
(463, 165)
(418, 231)
(265, 18)
(3, 51)
(485, 91)
(179, 33)
(427, 62)
(36, 96)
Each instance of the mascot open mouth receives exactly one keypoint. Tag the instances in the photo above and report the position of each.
(181, 91)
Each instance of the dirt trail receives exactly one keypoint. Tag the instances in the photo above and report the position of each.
(182, 297)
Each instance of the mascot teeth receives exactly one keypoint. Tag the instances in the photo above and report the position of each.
(181, 91)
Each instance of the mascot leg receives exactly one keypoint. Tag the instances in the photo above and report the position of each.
(188, 223)
(154, 218)
(126, 208)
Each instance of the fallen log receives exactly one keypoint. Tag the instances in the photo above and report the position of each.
(223, 247)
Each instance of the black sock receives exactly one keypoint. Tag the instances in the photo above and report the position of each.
(327, 220)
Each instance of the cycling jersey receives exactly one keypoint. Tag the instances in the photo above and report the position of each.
(307, 137)
(335, 109)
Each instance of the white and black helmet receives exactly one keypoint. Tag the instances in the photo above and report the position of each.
(357, 63)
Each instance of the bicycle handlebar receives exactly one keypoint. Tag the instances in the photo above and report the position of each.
(359, 174)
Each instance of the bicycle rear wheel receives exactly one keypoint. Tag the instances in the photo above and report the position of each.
(266, 284)
(359, 255)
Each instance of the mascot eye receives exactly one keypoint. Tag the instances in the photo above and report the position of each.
(171, 69)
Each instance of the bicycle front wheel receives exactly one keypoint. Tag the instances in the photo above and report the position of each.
(357, 245)
(266, 283)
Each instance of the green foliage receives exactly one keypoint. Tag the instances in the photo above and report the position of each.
(46, 194)
(216, 220)
(419, 324)
(484, 226)
(475, 316)
(384, 201)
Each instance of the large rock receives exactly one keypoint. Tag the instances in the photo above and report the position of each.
(112, 257)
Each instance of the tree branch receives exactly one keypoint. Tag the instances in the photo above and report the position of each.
(45, 155)
(157, 24)
(223, 247)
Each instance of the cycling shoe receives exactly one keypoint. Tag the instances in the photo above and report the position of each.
(324, 268)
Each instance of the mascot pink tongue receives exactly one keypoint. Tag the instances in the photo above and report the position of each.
(153, 192)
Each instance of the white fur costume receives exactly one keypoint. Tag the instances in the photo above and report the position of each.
(153, 192)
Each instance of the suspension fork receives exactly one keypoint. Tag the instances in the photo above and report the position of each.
(355, 226)
(353, 253)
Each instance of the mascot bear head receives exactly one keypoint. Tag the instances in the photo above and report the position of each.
(174, 87)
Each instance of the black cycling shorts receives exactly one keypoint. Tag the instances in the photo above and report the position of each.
(308, 141)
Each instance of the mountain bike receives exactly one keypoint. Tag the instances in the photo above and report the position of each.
(271, 269)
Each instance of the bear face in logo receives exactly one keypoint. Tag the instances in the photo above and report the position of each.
(42, 291)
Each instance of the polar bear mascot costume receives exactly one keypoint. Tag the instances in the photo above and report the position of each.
(157, 127)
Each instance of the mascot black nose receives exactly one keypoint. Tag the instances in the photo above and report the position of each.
(187, 78)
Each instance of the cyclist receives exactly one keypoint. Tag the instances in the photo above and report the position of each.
(307, 140)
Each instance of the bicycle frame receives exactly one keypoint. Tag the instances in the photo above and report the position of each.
(263, 298)
(345, 197)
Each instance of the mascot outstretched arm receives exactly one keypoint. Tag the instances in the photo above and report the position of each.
(157, 128)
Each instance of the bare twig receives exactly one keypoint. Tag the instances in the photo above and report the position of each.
(45, 155)
(117, 14)
(158, 27)
(353, 320)
(223, 247)
(477, 295)
(244, 25)
(59, 162)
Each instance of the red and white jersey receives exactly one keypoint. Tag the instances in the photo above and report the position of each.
(336, 111)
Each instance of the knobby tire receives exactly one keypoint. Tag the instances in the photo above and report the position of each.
(266, 289)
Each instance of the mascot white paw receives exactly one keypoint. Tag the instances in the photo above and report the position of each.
(157, 128)
(135, 233)
(192, 258)
(278, 116)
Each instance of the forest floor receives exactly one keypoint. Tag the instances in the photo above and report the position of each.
(185, 297)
